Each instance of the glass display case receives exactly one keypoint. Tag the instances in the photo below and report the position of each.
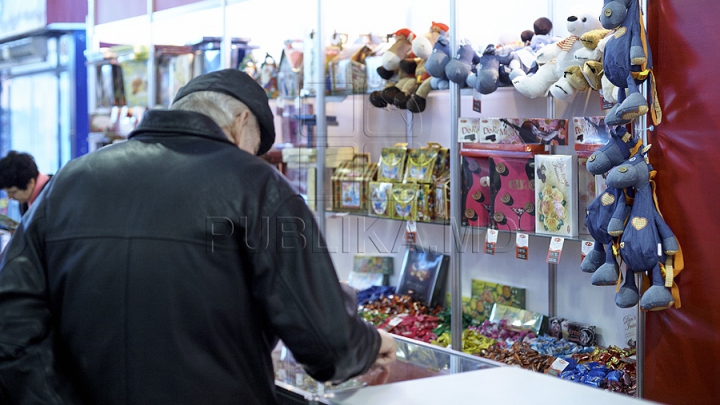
(415, 360)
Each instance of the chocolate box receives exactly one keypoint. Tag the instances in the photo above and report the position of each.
(476, 203)
(518, 319)
(589, 131)
(404, 201)
(513, 131)
(348, 70)
(556, 195)
(484, 294)
(442, 198)
(380, 196)
(350, 184)
(392, 163)
(512, 183)
(424, 276)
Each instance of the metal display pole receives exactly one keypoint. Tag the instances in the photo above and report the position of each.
(152, 77)
(455, 207)
(321, 121)
(225, 45)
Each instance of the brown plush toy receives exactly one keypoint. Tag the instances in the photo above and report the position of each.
(400, 50)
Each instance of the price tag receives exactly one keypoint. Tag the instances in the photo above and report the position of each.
(394, 322)
(411, 232)
(491, 237)
(477, 101)
(555, 251)
(522, 249)
(605, 104)
(585, 248)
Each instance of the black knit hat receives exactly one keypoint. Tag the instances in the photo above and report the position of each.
(241, 86)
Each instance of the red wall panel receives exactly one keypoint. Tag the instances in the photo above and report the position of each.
(113, 10)
(683, 345)
(66, 11)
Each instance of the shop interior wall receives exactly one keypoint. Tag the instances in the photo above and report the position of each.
(683, 345)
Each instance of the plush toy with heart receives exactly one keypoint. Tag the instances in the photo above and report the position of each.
(606, 215)
(627, 61)
(647, 245)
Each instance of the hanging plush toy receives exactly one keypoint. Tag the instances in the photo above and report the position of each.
(627, 61)
(647, 244)
(606, 215)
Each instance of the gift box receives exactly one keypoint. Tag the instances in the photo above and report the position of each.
(556, 195)
(348, 70)
(517, 319)
(375, 82)
(485, 294)
(513, 131)
(380, 199)
(392, 163)
(426, 164)
(590, 132)
(174, 70)
(350, 184)
(404, 201)
(425, 203)
(133, 62)
(369, 271)
(476, 202)
(442, 198)
(512, 183)
(424, 276)
(589, 187)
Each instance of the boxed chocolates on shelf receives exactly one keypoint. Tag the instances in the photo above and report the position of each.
(475, 194)
(513, 131)
(391, 167)
(423, 276)
(426, 164)
(485, 294)
(556, 195)
(517, 319)
(350, 184)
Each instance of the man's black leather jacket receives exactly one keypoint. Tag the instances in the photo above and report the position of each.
(162, 270)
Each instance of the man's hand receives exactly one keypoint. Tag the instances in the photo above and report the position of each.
(386, 354)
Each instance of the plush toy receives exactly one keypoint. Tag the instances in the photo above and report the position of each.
(563, 54)
(390, 66)
(458, 68)
(606, 215)
(537, 84)
(541, 33)
(435, 64)
(579, 77)
(647, 241)
(438, 31)
(627, 61)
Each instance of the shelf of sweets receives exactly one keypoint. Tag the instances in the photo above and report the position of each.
(611, 369)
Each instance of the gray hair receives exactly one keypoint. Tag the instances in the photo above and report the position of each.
(220, 107)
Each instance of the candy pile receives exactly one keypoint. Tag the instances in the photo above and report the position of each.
(498, 331)
(419, 327)
(473, 342)
(557, 347)
(374, 293)
(519, 354)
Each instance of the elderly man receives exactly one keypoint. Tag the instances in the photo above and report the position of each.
(163, 270)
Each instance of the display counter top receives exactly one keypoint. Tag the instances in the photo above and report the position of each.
(495, 385)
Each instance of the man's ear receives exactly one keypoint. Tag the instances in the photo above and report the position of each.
(31, 184)
(240, 121)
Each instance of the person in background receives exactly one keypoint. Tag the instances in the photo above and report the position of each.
(20, 179)
(164, 269)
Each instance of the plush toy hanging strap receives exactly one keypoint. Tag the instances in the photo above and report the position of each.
(674, 264)
(655, 112)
